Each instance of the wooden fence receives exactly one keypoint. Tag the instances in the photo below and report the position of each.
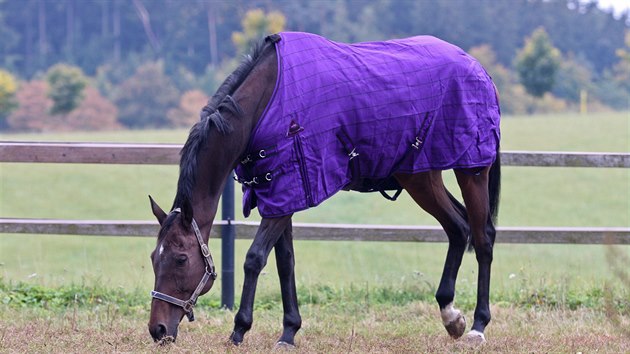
(105, 153)
(230, 229)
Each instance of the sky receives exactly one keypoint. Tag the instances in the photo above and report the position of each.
(618, 5)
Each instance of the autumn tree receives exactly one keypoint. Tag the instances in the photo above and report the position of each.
(511, 94)
(65, 87)
(94, 113)
(8, 87)
(537, 63)
(32, 113)
(190, 105)
(257, 24)
(622, 68)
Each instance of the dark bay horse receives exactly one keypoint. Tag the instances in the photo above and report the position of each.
(302, 118)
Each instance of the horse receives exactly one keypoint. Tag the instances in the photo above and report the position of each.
(303, 117)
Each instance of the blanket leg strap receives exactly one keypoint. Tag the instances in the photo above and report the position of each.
(388, 197)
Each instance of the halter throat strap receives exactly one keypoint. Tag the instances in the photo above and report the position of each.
(210, 272)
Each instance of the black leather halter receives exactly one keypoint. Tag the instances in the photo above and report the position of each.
(188, 305)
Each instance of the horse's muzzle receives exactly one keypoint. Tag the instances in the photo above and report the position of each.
(160, 334)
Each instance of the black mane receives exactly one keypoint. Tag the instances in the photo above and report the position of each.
(211, 117)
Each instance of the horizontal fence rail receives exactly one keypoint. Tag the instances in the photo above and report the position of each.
(167, 154)
(324, 232)
(101, 153)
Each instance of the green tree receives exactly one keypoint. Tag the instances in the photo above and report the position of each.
(573, 77)
(537, 63)
(144, 99)
(256, 24)
(65, 87)
(8, 103)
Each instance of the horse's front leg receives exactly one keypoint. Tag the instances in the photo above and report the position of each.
(285, 261)
(267, 236)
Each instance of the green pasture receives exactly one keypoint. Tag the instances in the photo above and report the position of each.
(530, 197)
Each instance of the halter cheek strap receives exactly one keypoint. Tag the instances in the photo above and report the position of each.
(188, 305)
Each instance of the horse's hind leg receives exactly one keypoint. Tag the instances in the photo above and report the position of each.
(474, 187)
(285, 261)
(428, 191)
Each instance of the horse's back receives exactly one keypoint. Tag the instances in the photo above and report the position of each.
(365, 111)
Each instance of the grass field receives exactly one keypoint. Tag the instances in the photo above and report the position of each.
(412, 328)
(558, 276)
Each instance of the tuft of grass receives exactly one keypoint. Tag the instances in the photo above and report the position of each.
(24, 295)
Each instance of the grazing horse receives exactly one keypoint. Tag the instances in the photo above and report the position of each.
(304, 117)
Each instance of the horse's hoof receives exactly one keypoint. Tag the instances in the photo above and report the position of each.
(454, 321)
(282, 345)
(474, 338)
(457, 327)
(236, 339)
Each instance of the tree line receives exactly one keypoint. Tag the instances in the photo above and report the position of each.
(151, 61)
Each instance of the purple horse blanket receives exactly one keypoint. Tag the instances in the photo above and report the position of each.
(349, 116)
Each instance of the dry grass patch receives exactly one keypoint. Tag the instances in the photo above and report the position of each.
(413, 328)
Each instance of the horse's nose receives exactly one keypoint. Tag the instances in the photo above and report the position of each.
(157, 331)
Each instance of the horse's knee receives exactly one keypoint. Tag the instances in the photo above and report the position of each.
(457, 235)
(254, 262)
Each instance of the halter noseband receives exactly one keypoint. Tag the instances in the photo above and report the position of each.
(188, 305)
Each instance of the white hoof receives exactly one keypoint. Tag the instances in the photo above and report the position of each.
(474, 338)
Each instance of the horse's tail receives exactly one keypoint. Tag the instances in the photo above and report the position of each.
(494, 187)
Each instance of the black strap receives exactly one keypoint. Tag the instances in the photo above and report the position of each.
(258, 155)
(386, 196)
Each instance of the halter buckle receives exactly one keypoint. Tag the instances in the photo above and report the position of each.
(188, 305)
(205, 251)
(190, 315)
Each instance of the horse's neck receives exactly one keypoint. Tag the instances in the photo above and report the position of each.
(224, 151)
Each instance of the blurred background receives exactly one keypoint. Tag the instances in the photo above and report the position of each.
(117, 64)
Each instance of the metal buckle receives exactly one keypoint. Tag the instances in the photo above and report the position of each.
(188, 306)
(205, 251)
(417, 144)
(353, 153)
(262, 154)
(268, 177)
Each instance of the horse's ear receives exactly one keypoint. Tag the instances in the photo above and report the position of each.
(187, 213)
(157, 211)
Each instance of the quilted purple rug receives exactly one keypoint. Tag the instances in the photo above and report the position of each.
(349, 116)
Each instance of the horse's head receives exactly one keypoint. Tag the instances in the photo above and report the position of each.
(183, 270)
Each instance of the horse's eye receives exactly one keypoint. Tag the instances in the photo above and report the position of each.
(181, 259)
